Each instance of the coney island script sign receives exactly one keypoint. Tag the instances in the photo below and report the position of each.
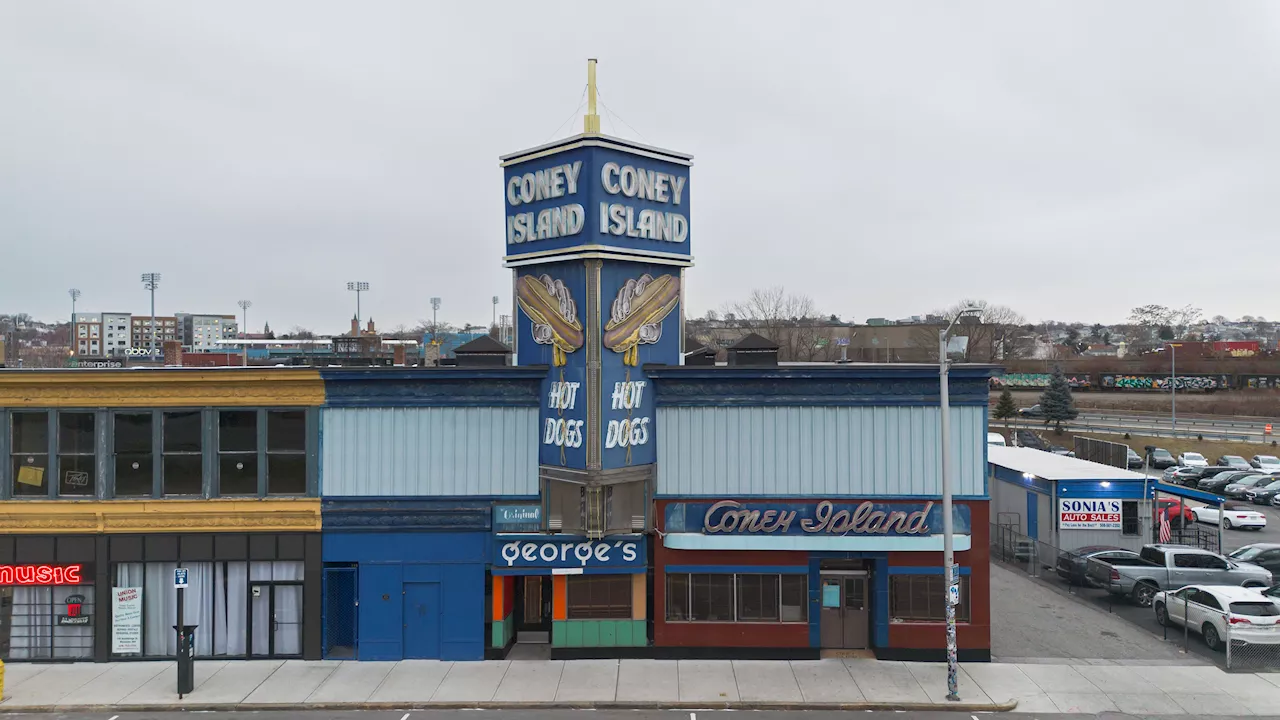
(731, 517)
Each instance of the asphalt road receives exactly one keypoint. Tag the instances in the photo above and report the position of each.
(598, 715)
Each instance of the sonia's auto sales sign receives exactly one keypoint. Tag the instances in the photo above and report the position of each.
(1086, 514)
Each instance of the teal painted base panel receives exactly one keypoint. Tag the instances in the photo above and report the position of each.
(599, 633)
(503, 631)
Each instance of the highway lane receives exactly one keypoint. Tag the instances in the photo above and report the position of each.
(594, 714)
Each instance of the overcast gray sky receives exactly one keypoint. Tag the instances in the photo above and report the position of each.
(1071, 160)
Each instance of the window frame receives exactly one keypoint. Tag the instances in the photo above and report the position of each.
(616, 578)
(735, 598)
(95, 453)
(50, 454)
(964, 613)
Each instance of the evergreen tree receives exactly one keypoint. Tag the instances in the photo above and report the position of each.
(1005, 409)
(1056, 401)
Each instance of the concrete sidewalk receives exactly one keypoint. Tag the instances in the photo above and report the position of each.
(848, 684)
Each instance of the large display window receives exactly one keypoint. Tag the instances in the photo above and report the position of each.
(46, 622)
(241, 609)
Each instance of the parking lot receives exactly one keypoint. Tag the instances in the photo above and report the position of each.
(1233, 539)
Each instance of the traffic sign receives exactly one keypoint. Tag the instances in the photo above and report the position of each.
(180, 578)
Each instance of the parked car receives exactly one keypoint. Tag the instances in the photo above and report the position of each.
(1073, 566)
(1161, 458)
(1208, 609)
(1234, 461)
(1263, 493)
(1234, 515)
(1266, 555)
(1188, 476)
(995, 439)
(1216, 470)
(1216, 483)
(1270, 463)
(1237, 489)
(1192, 459)
(1059, 450)
(1162, 567)
(1133, 459)
(1035, 411)
(1175, 510)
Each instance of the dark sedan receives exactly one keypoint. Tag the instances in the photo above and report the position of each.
(1237, 489)
(1216, 470)
(1133, 459)
(1234, 461)
(1263, 492)
(1072, 565)
(1221, 480)
(1188, 476)
(1266, 555)
(1161, 459)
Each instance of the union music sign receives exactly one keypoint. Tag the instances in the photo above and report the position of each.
(826, 517)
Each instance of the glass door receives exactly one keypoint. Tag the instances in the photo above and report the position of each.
(275, 619)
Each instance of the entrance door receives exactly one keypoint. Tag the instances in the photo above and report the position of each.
(421, 621)
(845, 618)
(533, 601)
(275, 619)
(1033, 515)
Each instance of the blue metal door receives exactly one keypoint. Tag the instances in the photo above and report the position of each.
(1033, 515)
(341, 608)
(421, 620)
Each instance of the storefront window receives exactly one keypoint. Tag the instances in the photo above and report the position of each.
(133, 454)
(238, 452)
(77, 453)
(29, 448)
(744, 597)
(43, 622)
(923, 598)
(183, 459)
(599, 597)
(286, 452)
(239, 608)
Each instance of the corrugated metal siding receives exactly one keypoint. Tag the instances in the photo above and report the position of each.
(419, 452)
(793, 451)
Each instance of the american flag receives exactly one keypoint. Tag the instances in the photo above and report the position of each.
(1166, 533)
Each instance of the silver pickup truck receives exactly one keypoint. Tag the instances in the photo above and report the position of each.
(1168, 567)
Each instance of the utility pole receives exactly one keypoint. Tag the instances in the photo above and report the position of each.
(358, 287)
(435, 307)
(71, 333)
(151, 281)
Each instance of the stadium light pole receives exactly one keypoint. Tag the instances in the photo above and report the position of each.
(244, 330)
(151, 281)
(948, 531)
(358, 287)
(495, 310)
(435, 308)
(71, 334)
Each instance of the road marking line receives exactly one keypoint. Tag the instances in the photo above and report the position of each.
(692, 716)
(406, 717)
(113, 717)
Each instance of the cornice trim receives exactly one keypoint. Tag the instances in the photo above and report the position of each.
(171, 387)
(154, 516)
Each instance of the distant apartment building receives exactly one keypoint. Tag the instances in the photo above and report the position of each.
(87, 334)
(167, 328)
(205, 333)
(116, 340)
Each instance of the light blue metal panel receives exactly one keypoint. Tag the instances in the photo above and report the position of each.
(429, 451)
(795, 451)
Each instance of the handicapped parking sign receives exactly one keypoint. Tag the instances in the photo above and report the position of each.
(180, 578)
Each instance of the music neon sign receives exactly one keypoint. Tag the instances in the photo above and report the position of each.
(40, 574)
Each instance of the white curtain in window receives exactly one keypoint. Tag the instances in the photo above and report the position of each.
(31, 624)
(73, 641)
(231, 591)
(160, 607)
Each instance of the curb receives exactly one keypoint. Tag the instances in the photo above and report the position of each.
(586, 705)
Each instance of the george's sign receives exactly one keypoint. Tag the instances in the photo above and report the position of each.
(42, 574)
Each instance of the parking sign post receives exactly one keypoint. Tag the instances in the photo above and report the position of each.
(186, 663)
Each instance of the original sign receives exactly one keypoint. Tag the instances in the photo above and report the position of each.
(507, 518)
(1089, 514)
(570, 551)
(42, 574)
(730, 517)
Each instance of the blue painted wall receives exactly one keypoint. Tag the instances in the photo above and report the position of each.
(421, 594)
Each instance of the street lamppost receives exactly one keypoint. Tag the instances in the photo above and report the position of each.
(358, 287)
(71, 335)
(151, 281)
(948, 541)
(1173, 385)
(435, 307)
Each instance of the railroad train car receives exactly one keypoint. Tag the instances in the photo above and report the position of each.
(1140, 382)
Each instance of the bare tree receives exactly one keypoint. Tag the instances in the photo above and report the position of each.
(789, 319)
(300, 333)
(998, 333)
